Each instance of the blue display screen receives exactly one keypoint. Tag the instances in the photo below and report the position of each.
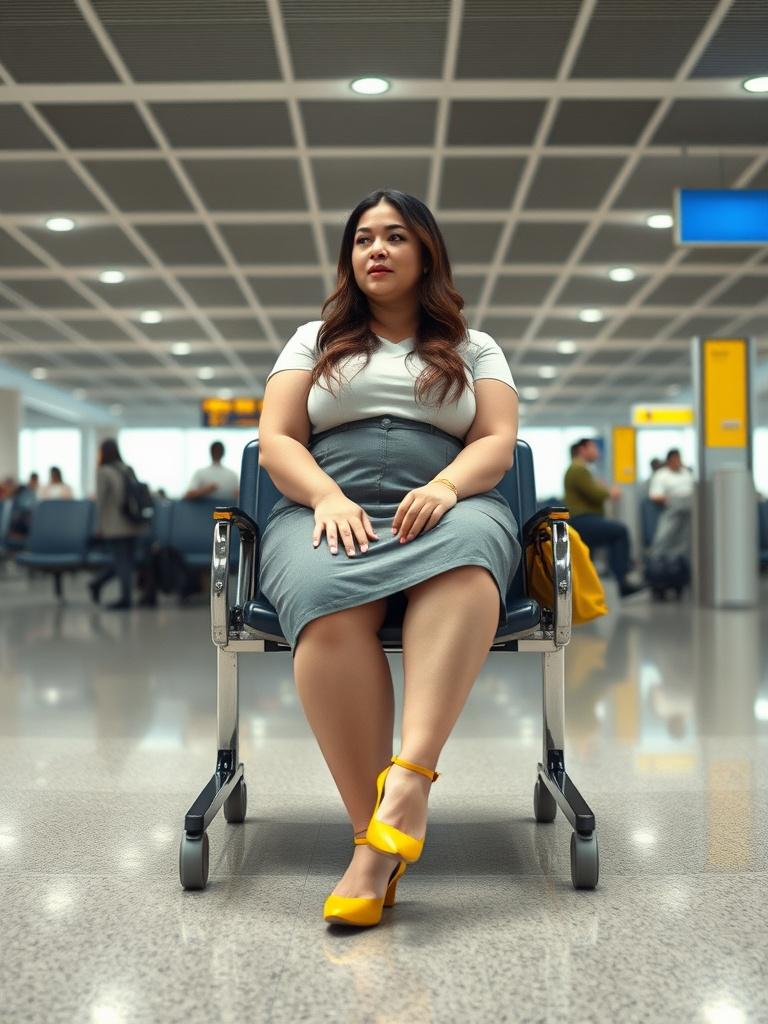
(721, 216)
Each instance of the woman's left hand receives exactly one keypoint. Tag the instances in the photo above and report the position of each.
(421, 509)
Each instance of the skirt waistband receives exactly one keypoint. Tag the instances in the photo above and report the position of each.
(385, 422)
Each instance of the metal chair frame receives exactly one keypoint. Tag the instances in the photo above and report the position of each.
(232, 637)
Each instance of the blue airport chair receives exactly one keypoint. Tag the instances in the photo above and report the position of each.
(58, 538)
(251, 625)
(762, 531)
(190, 531)
(6, 505)
(649, 520)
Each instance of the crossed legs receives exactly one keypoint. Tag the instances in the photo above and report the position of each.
(345, 686)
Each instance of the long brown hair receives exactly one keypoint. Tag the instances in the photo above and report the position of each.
(441, 329)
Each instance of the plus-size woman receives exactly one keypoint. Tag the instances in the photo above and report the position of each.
(386, 426)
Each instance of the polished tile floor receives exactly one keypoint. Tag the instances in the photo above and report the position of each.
(107, 733)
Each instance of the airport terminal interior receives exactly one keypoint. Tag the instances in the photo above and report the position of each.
(175, 181)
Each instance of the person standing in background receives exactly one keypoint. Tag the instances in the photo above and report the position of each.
(214, 481)
(114, 526)
(56, 489)
(585, 498)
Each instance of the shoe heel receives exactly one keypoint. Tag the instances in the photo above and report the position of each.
(389, 899)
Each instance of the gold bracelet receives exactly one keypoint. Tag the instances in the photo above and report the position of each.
(445, 480)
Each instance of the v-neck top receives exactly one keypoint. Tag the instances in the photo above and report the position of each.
(385, 387)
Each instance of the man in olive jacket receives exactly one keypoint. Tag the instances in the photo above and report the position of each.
(585, 497)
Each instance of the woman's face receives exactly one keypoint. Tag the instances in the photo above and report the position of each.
(381, 239)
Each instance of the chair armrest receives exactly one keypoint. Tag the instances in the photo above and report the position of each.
(222, 618)
(241, 519)
(550, 512)
(556, 516)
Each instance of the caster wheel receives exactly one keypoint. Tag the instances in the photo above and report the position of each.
(585, 862)
(236, 803)
(544, 804)
(193, 861)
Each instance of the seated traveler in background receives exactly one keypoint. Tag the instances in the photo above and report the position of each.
(585, 497)
(23, 501)
(113, 525)
(56, 489)
(214, 481)
(671, 481)
(672, 488)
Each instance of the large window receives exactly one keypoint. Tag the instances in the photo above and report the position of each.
(551, 447)
(40, 448)
(165, 458)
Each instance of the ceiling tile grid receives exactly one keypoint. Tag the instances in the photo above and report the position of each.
(212, 153)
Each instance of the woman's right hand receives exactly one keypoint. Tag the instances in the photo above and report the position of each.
(336, 514)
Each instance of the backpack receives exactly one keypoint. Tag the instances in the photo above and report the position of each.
(137, 502)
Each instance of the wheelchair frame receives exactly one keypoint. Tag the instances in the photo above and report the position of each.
(553, 788)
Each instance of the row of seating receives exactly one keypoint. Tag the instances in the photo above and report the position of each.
(61, 537)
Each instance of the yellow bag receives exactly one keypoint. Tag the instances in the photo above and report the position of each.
(587, 594)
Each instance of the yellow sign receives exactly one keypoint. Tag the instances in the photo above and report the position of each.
(624, 457)
(662, 415)
(725, 392)
(231, 412)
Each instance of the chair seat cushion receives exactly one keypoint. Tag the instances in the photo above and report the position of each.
(523, 615)
(52, 562)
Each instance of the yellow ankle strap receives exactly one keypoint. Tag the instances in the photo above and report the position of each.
(360, 840)
(434, 776)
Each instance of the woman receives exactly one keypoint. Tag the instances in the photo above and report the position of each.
(397, 467)
(56, 489)
(113, 525)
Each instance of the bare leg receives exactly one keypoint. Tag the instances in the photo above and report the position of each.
(345, 687)
(449, 626)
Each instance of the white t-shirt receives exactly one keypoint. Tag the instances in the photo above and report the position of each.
(666, 483)
(226, 481)
(386, 386)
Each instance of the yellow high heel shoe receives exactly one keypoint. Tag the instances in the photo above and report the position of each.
(386, 838)
(360, 910)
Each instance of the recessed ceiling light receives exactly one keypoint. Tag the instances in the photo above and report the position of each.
(659, 220)
(529, 394)
(181, 348)
(116, 409)
(591, 316)
(370, 86)
(567, 348)
(59, 224)
(79, 394)
(622, 274)
(225, 393)
(756, 84)
(205, 372)
(112, 277)
(39, 373)
(151, 316)
(548, 372)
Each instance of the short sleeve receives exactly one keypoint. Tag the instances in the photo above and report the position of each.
(490, 361)
(300, 351)
(195, 482)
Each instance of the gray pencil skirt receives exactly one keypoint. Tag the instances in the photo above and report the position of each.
(375, 462)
